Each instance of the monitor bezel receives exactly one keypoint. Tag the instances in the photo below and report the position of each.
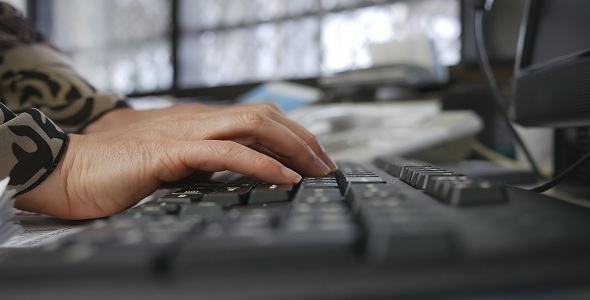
(526, 42)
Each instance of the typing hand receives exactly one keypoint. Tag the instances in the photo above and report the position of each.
(122, 117)
(102, 174)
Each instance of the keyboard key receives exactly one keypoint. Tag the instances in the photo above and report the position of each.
(207, 210)
(270, 193)
(228, 195)
(464, 191)
(474, 193)
(176, 198)
(390, 242)
(313, 185)
(423, 177)
(372, 179)
(163, 208)
(406, 172)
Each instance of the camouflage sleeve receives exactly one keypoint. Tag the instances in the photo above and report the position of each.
(34, 74)
(31, 146)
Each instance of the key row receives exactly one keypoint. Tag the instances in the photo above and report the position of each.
(446, 186)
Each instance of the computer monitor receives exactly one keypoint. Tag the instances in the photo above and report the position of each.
(552, 76)
(552, 81)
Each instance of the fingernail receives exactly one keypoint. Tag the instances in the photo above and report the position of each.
(327, 170)
(327, 160)
(291, 175)
(320, 163)
(332, 165)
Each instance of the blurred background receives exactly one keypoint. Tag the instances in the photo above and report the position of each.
(145, 46)
(210, 50)
(139, 46)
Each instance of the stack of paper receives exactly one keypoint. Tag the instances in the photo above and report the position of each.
(8, 227)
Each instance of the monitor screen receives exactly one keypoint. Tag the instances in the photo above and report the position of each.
(552, 81)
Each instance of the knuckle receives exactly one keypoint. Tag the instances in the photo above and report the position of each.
(260, 161)
(252, 118)
(311, 139)
(226, 148)
(264, 162)
(228, 151)
(270, 107)
(264, 107)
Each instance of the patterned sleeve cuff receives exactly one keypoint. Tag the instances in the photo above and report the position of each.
(37, 76)
(32, 146)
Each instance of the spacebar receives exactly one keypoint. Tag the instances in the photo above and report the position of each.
(267, 247)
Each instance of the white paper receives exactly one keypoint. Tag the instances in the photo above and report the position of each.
(3, 185)
(38, 237)
(40, 230)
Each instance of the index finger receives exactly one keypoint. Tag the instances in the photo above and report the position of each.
(273, 111)
(215, 156)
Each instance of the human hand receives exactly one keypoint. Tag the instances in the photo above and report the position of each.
(102, 174)
(123, 117)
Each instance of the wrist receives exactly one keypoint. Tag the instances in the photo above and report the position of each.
(113, 119)
(49, 196)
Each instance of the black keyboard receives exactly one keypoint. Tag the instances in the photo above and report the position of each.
(398, 229)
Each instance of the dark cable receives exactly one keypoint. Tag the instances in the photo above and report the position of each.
(493, 86)
(553, 182)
